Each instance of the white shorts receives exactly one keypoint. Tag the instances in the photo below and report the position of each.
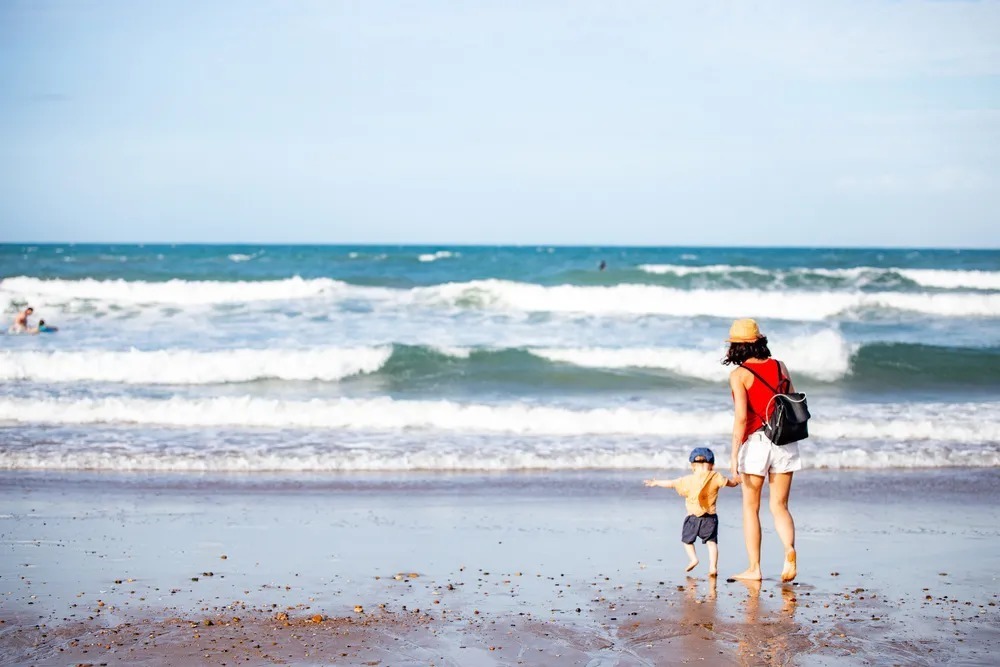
(759, 456)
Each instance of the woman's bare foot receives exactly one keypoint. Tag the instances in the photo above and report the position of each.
(693, 564)
(713, 573)
(789, 571)
(751, 574)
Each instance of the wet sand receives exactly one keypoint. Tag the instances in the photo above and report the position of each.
(533, 569)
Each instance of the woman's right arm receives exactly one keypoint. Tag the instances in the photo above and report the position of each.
(739, 417)
(784, 372)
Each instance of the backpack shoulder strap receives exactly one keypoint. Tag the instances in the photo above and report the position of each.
(783, 380)
(766, 383)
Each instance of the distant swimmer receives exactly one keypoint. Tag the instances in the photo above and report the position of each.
(21, 321)
(44, 328)
(603, 265)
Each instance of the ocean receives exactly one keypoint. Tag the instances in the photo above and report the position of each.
(317, 359)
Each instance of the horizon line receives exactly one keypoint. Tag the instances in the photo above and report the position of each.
(492, 245)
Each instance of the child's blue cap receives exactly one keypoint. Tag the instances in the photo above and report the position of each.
(701, 454)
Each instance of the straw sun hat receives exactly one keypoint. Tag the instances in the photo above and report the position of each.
(744, 331)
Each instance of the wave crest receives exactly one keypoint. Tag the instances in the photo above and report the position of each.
(183, 292)
(484, 457)
(824, 356)
(951, 279)
(191, 367)
(892, 422)
(504, 295)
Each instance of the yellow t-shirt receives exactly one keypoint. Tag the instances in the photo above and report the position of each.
(700, 490)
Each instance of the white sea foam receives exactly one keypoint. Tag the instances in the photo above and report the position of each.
(686, 270)
(55, 291)
(489, 454)
(501, 295)
(985, 280)
(967, 422)
(697, 363)
(656, 300)
(240, 257)
(440, 254)
(824, 356)
(369, 414)
(190, 366)
(938, 278)
(453, 351)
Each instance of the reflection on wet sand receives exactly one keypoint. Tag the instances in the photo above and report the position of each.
(769, 635)
(698, 613)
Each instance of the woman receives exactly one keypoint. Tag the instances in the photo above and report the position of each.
(754, 456)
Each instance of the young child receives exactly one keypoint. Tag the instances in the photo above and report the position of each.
(700, 490)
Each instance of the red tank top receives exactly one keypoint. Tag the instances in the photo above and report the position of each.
(758, 395)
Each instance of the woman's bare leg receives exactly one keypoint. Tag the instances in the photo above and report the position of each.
(784, 525)
(752, 485)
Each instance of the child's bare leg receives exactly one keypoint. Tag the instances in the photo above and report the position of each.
(713, 558)
(692, 556)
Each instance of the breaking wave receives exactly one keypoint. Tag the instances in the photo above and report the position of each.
(845, 278)
(970, 422)
(192, 366)
(824, 356)
(502, 295)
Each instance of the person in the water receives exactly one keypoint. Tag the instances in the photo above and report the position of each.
(44, 328)
(21, 321)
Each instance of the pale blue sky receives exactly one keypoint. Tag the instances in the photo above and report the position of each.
(664, 123)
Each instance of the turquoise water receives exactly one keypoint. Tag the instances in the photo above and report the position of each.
(496, 358)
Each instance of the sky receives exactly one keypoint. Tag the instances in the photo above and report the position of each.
(848, 123)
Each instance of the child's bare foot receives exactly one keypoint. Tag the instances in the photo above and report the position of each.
(789, 571)
(693, 564)
(751, 574)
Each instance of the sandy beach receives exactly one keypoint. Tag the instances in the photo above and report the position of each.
(534, 569)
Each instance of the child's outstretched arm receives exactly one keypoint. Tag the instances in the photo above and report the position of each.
(665, 483)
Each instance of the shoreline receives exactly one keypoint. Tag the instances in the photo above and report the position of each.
(130, 567)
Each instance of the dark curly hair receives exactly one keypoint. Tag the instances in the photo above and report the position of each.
(740, 352)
